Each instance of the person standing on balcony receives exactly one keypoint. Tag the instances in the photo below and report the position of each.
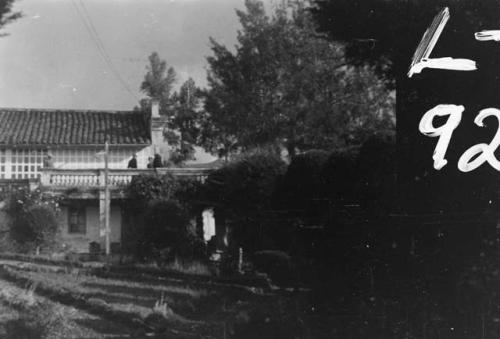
(48, 162)
(132, 162)
(157, 161)
(150, 162)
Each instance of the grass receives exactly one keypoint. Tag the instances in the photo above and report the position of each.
(181, 307)
(128, 303)
(191, 267)
(26, 315)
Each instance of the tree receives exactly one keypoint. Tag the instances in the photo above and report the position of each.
(185, 125)
(181, 107)
(6, 14)
(289, 86)
(33, 219)
(158, 84)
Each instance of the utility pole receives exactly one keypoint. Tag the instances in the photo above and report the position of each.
(106, 199)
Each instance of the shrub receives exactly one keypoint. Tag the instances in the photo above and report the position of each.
(304, 180)
(145, 188)
(242, 192)
(33, 220)
(163, 229)
(162, 208)
(246, 183)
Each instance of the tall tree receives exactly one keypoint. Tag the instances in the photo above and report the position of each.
(6, 14)
(185, 124)
(182, 107)
(158, 84)
(287, 85)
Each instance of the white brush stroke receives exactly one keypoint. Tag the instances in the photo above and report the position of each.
(482, 152)
(488, 35)
(444, 63)
(443, 16)
(444, 132)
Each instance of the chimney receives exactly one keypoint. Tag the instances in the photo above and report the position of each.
(158, 123)
(155, 108)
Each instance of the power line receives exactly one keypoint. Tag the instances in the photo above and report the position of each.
(89, 26)
(101, 47)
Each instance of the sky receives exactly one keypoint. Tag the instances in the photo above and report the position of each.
(52, 59)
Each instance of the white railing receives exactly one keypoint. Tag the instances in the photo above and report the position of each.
(67, 178)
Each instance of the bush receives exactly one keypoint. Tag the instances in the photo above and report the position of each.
(242, 192)
(145, 188)
(164, 233)
(162, 208)
(33, 220)
(304, 181)
(246, 183)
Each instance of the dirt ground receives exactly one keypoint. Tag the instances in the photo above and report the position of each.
(44, 301)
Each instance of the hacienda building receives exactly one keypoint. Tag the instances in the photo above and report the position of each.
(75, 141)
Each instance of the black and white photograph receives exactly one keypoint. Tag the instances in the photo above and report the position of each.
(240, 169)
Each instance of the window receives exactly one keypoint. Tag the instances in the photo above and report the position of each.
(76, 220)
(24, 161)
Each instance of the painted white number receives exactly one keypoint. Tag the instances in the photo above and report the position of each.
(444, 132)
(482, 152)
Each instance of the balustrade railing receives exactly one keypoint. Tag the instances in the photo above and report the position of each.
(66, 178)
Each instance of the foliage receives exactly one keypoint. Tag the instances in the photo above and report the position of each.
(163, 230)
(144, 188)
(245, 185)
(163, 207)
(304, 180)
(242, 192)
(33, 219)
(158, 82)
(6, 14)
(188, 193)
(287, 85)
(186, 121)
(182, 107)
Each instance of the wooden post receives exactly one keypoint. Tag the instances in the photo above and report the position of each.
(106, 199)
(240, 260)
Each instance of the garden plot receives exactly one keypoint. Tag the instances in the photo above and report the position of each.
(23, 314)
(178, 309)
(182, 309)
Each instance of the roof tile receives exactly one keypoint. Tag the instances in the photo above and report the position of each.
(71, 127)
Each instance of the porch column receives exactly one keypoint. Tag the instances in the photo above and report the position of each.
(102, 218)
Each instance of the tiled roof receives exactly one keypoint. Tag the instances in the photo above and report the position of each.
(71, 127)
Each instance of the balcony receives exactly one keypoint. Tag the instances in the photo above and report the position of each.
(93, 179)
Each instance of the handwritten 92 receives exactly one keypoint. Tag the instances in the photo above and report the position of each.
(478, 154)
